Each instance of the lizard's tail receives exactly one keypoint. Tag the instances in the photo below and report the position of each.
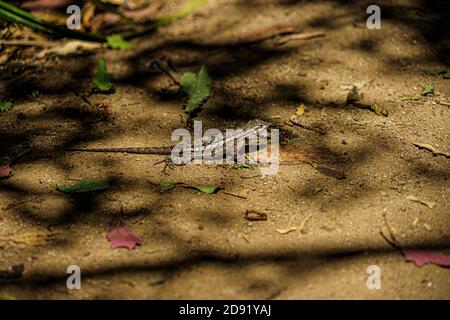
(138, 150)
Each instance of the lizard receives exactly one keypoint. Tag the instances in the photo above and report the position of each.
(256, 126)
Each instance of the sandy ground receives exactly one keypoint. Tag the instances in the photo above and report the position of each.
(200, 246)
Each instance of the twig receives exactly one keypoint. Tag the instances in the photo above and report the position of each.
(234, 195)
(306, 126)
(300, 36)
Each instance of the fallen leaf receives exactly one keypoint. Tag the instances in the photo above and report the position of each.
(429, 89)
(103, 79)
(429, 204)
(5, 171)
(300, 110)
(84, 186)
(286, 231)
(166, 186)
(123, 237)
(116, 41)
(197, 87)
(421, 257)
(432, 149)
(379, 110)
(5, 106)
(253, 215)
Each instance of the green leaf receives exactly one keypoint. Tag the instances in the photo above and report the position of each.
(103, 79)
(429, 89)
(116, 41)
(207, 189)
(5, 106)
(197, 87)
(84, 186)
(447, 74)
(166, 186)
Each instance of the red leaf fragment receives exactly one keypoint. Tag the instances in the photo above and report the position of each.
(123, 237)
(421, 257)
(5, 171)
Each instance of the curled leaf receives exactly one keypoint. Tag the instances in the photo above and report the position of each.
(103, 79)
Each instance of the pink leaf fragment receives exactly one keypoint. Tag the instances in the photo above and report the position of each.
(46, 4)
(421, 257)
(5, 171)
(123, 237)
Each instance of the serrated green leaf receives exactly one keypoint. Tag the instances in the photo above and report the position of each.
(116, 41)
(207, 189)
(166, 186)
(429, 89)
(103, 79)
(84, 186)
(5, 106)
(197, 87)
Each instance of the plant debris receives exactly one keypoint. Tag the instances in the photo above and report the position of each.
(422, 257)
(116, 41)
(433, 150)
(429, 90)
(429, 204)
(103, 79)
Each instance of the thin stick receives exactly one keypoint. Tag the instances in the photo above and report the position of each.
(25, 43)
